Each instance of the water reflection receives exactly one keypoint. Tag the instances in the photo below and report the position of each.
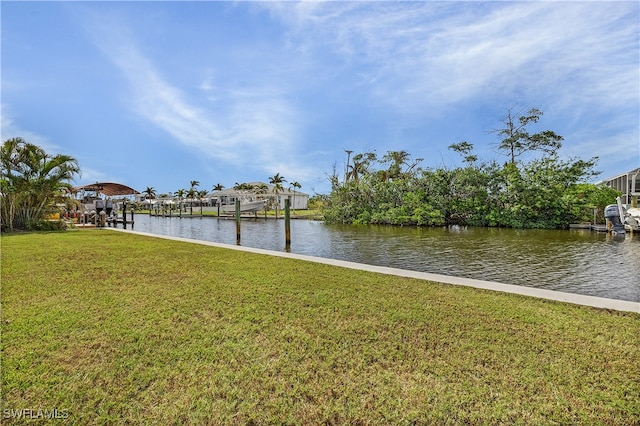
(576, 261)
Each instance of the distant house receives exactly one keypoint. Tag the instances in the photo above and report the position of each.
(628, 183)
(253, 191)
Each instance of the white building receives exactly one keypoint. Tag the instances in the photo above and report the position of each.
(628, 183)
(254, 191)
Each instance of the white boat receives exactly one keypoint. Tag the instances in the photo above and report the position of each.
(632, 218)
(245, 206)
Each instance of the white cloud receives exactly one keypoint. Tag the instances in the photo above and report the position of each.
(425, 53)
(406, 59)
(252, 128)
(90, 175)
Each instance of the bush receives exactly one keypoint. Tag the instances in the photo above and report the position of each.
(47, 225)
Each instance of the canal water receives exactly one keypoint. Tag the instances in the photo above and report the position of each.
(574, 261)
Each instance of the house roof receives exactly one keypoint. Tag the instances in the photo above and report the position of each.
(627, 183)
(107, 188)
(634, 172)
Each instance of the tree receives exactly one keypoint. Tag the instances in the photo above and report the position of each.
(150, 193)
(397, 159)
(201, 194)
(295, 185)
(218, 187)
(516, 140)
(31, 182)
(591, 201)
(164, 196)
(464, 148)
(192, 193)
(468, 188)
(360, 165)
(180, 194)
(543, 193)
(277, 181)
(260, 188)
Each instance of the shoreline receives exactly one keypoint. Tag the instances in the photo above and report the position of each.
(578, 299)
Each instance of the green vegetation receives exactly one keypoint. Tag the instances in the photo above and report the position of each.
(544, 192)
(32, 182)
(116, 328)
(277, 181)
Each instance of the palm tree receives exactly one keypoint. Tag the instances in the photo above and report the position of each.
(360, 165)
(166, 197)
(180, 193)
(277, 182)
(218, 187)
(261, 188)
(192, 194)
(397, 160)
(150, 193)
(201, 194)
(31, 182)
(295, 185)
(242, 186)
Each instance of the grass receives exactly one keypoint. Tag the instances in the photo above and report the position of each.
(112, 328)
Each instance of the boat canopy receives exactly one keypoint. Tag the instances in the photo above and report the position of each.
(109, 189)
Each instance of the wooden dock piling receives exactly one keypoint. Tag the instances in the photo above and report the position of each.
(238, 221)
(287, 223)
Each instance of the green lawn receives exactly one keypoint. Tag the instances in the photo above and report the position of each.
(112, 328)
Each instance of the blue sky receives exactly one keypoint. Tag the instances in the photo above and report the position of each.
(162, 93)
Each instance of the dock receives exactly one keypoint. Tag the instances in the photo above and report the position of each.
(108, 221)
(115, 221)
(595, 228)
(599, 228)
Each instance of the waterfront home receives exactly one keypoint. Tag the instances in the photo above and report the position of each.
(628, 184)
(254, 191)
